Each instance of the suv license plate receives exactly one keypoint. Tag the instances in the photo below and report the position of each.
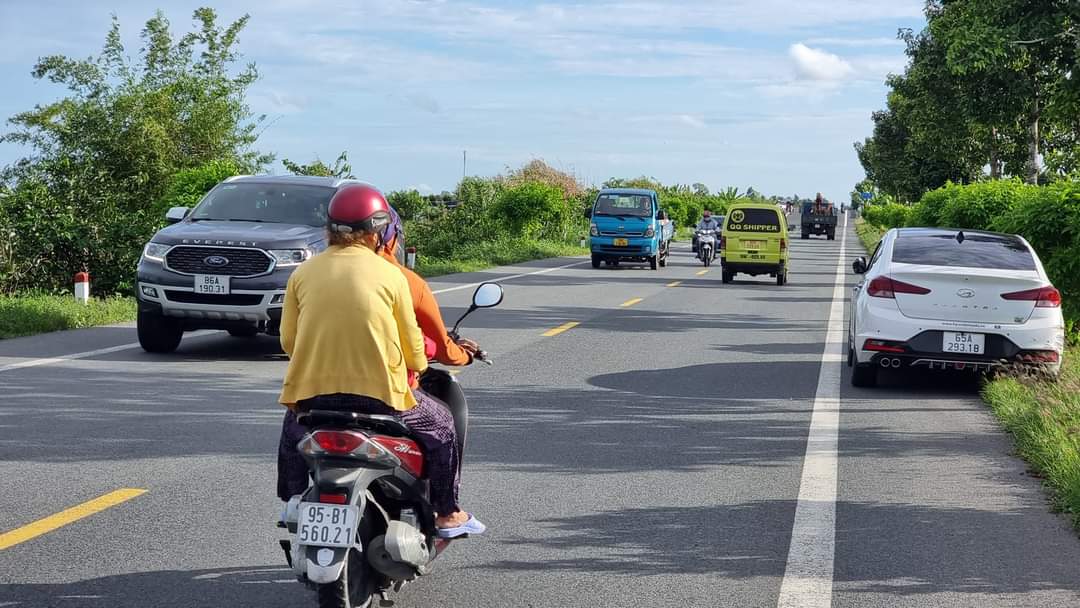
(621, 242)
(324, 525)
(964, 343)
(213, 284)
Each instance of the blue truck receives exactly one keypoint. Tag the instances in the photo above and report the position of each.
(628, 225)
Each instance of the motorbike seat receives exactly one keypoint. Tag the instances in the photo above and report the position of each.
(386, 425)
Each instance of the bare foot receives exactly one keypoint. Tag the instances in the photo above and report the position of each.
(452, 521)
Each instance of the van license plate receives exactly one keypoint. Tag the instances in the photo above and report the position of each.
(753, 244)
(964, 343)
(621, 242)
(326, 525)
(213, 284)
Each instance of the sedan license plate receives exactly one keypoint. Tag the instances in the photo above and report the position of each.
(964, 343)
(324, 525)
(621, 242)
(213, 284)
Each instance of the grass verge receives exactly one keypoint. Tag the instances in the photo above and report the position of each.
(23, 315)
(1044, 420)
(478, 256)
(868, 234)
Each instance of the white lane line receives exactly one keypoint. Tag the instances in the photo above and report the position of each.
(808, 578)
(515, 276)
(91, 353)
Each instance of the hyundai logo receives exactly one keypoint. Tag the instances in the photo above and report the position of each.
(217, 261)
(965, 293)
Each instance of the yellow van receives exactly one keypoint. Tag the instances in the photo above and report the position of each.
(754, 241)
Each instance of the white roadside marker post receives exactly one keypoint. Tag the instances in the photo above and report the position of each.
(82, 287)
(410, 257)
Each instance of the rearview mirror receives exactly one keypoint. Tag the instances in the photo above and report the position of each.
(588, 212)
(487, 295)
(859, 265)
(176, 214)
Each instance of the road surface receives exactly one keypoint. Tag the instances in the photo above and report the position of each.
(686, 443)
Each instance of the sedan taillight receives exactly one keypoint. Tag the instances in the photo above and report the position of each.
(1044, 297)
(886, 287)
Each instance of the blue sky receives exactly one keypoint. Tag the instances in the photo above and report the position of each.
(768, 93)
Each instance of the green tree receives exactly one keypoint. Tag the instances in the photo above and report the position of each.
(408, 203)
(102, 157)
(341, 167)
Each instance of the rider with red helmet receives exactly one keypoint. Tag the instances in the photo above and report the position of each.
(346, 309)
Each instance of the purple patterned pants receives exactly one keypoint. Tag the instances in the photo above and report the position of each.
(431, 424)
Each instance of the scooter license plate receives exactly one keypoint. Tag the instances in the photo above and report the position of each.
(621, 242)
(324, 525)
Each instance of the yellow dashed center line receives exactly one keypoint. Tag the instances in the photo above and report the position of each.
(67, 516)
(630, 303)
(701, 272)
(674, 284)
(560, 329)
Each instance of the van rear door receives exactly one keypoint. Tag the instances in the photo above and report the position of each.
(754, 235)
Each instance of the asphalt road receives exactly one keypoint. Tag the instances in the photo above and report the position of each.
(651, 455)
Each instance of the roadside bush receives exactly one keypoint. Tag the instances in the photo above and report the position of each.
(532, 210)
(975, 206)
(187, 186)
(891, 215)
(408, 203)
(927, 212)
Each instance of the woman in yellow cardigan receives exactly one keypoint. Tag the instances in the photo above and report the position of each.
(349, 329)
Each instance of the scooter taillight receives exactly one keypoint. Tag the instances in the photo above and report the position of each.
(347, 444)
(339, 442)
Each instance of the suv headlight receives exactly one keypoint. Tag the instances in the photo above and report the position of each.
(593, 230)
(156, 251)
(289, 257)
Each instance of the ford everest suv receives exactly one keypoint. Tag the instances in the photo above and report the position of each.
(224, 264)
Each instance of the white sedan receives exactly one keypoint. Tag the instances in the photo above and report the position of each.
(935, 298)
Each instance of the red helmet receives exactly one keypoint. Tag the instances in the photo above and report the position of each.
(358, 208)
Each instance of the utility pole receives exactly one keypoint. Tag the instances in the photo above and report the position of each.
(464, 164)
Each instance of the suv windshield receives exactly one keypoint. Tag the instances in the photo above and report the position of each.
(276, 203)
(637, 205)
(753, 220)
(976, 251)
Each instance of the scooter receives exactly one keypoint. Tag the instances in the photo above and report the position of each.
(706, 251)
(366, 526)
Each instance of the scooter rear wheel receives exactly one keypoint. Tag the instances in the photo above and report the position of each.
(355, 588)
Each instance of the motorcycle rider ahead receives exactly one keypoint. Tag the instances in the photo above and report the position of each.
(349, 329)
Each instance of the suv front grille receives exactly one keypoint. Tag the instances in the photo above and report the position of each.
(240, 261)
(233, 299)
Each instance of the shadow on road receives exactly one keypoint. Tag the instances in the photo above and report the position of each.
(235, 588)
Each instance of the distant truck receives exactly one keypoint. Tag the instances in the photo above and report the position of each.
(629, 226)
(818, 218)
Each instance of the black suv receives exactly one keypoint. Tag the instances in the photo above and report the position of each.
(225, 263)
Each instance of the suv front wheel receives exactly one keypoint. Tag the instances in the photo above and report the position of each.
(158, 334)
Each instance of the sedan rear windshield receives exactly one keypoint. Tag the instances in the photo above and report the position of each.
(275, 203)
(753, 220)
(973, 251)
(638, 205)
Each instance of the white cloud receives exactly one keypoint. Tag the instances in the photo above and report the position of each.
(693, 121)
(815, 64)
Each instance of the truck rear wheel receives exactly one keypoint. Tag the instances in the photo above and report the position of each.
(832, 236)
(157, 333)
(596, 261)
(805, 235)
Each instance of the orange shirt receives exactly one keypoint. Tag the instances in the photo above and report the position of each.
(428, 316)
